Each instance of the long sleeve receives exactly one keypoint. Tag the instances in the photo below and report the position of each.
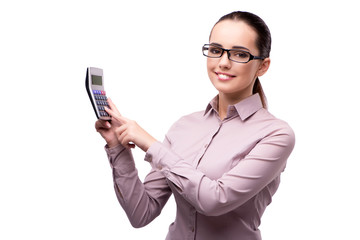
(213, 197)
(223, 172)
(142, 202)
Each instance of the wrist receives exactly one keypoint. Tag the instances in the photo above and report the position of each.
(150, 142)
(112, 144)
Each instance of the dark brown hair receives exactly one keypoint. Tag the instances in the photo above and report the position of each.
(263, 41)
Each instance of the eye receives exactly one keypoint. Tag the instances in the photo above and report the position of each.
(214, 50)
(241, 54)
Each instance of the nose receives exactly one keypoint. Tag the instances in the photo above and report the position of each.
(224, 61)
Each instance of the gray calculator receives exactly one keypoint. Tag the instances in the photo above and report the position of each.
(95, 88)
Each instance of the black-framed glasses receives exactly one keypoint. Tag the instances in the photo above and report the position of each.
(236, 55)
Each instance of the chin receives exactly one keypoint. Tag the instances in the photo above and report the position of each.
(224, 87)
(232, 91)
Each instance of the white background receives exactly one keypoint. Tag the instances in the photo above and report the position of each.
(55, 181)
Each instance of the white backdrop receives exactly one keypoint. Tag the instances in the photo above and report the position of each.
(55, 181)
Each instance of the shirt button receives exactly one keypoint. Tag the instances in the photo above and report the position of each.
(206, 145)
(193, 229)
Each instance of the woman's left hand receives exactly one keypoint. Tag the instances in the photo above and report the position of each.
(129, 132)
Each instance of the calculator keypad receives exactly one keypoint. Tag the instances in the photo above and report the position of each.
(101, 102)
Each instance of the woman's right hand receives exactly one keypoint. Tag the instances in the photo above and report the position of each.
(107, 131)
(110, 131)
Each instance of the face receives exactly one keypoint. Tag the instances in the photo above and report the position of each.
(232, 79)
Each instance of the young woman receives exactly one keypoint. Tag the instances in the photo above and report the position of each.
(222, 164)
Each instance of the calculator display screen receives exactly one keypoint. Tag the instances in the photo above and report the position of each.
(96, 80)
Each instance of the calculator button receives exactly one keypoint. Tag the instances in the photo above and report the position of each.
(104, 114)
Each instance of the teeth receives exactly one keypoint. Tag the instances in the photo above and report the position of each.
(224, 76)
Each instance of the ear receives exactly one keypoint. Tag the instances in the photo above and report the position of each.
(264, 66)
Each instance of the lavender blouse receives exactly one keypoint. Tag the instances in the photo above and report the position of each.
(223, 173)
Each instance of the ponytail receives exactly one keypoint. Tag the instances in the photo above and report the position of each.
(258, 89)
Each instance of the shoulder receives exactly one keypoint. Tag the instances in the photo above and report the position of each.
(190, 119)
(274, 127)
(186, 125)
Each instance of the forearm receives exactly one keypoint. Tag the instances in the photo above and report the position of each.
(218, 196)
(142, 202)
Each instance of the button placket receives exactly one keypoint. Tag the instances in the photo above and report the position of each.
(206, 144)
(192, 225)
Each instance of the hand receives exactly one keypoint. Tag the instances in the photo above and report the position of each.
(107, 131)
(128, 132)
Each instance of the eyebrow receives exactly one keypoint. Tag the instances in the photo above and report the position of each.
(233, 47)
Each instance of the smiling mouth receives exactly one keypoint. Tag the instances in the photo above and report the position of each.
(224, 76)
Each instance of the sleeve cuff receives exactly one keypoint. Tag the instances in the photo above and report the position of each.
(180, 173)
(113, 149)
(160, 157)
(120, 159)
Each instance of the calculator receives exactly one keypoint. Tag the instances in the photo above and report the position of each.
(95, 88)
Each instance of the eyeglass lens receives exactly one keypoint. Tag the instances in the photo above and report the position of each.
(235, 55)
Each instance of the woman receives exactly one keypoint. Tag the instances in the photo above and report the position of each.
(223, 164)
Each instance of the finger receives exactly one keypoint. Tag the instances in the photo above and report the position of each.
(131, 145)
(126, 143)
(112, 106)
(120, 130)
(101, 124)
(123, 137)
(116, 115)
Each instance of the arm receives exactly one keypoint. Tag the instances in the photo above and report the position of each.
(142, 202)
(216, 197)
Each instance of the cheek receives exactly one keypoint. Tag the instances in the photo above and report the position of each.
(210, 66)
(210, 63)
(247, 69)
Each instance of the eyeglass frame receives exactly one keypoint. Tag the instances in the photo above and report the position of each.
(252, 57)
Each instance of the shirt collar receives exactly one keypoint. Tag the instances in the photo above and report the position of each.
(245, 108)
